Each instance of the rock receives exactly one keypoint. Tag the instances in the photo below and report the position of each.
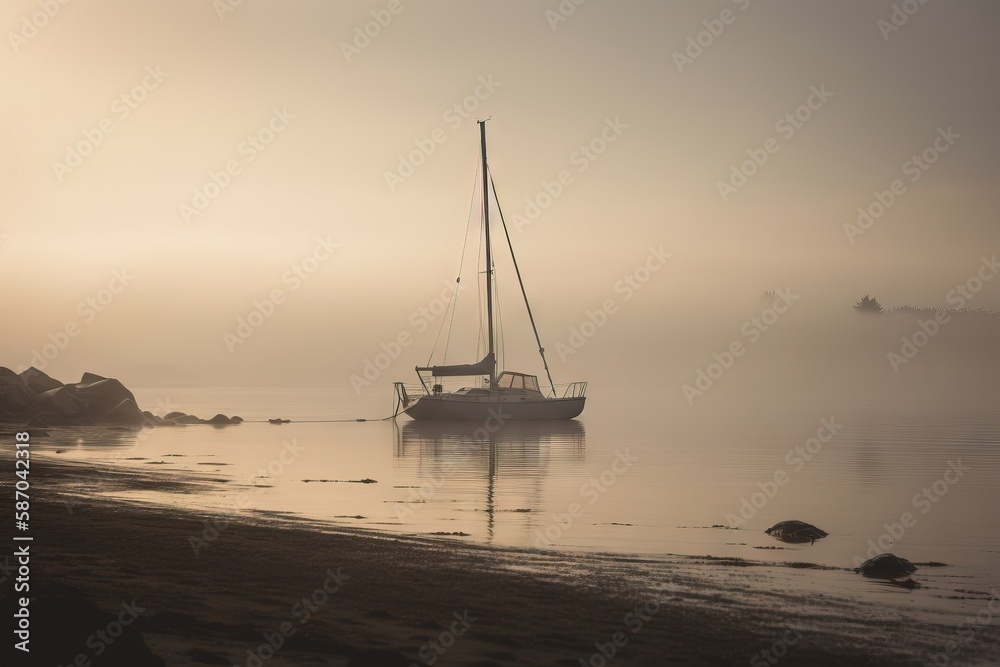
(219, 420)
(94, 400)
(796, 531)
(886, 566)
(127, 413)
(185, 419)
(154, 420)
(17, 400)
(174, 418)
(38, 381)
(236, 419)
(62, 400)
(279, 421)
(102, 395)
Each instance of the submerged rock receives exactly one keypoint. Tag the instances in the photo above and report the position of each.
(176, 418)
(219, 420)
(886, 566)
(796, 531)
(185, 419)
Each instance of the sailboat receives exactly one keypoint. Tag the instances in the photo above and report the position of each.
(508, 395)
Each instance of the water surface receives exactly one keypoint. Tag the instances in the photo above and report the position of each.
(901, 472)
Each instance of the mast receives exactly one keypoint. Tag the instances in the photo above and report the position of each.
(489, 255)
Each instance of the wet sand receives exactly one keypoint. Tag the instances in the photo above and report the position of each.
(349, 597)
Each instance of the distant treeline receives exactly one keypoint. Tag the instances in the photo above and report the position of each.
(870, 304)
(929, 309)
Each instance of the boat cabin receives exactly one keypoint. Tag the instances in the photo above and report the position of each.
(510, 380)
(506, 382)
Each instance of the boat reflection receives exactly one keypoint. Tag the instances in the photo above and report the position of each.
(498, 472)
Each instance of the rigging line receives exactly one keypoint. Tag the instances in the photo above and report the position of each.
(437, 338)
(461, 264)
(501, 355)
(395, 413)
(453, 306)
(531, 318)
(324, 421)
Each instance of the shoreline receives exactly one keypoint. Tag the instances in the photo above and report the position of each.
(351, 596)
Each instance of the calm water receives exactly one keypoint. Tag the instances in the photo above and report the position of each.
(656, 483)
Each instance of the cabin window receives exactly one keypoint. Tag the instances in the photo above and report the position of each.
(517, 381)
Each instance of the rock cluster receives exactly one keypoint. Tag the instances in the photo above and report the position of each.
(33, 396)
(883, 566)
(35, 400)
(180, 418)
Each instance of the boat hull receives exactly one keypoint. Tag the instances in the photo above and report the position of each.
(495, 407)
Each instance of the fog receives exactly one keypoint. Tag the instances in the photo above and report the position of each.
(231, 156)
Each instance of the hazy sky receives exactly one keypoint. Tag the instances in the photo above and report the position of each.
(121, 119)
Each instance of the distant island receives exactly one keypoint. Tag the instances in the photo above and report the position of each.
(32, 399)
(869, 304)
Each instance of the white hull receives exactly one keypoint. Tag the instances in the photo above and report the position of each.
(495, 406)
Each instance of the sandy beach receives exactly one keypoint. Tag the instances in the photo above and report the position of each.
(228, 591)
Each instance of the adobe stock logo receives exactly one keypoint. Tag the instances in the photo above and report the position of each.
(88, 310)
(900, 16)
(454, 116)
(31, 25)
(914, 168)
(365, 34)
(295, 276)
(753, 328)
(787, 126)
(797, 458)
(121, 108)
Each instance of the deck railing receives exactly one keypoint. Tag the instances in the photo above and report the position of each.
(572, 390)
